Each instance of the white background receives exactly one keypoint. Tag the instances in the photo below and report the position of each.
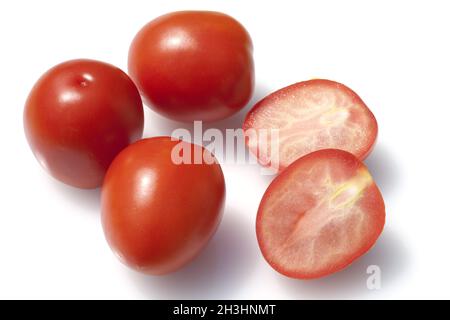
(395, 54)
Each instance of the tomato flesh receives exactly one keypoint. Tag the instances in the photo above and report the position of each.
(319, 215)
(158, 215)
(309, 116)
(79, 116)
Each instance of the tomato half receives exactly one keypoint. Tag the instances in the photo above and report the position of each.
(319, 215)
(157, 215)
(78, 116)
(309, 116)
(193, 65)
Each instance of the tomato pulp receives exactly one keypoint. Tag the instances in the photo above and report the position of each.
(309, 116)
(319, 215)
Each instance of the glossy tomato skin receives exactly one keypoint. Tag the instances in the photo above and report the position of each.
(319, 215)
(158, 215)
(193, 65)
(77, 118)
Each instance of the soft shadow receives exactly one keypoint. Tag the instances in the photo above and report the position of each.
(389, 254)
(157, 125)
(236, 121)
(220, 269)
(268, 177)
(384, 169)
(86, 199)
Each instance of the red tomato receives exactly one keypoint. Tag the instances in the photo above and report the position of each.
(78, 116)
(309, 116)
(193, 65)
(158, 215)
(319, 215)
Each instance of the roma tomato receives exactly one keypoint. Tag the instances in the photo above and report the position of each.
(158, 213)
(78, 116)
(309, 116)
(319, 215)
(193, 65)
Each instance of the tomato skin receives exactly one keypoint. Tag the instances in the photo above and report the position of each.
(284, 212)
(78, 116)
(193, 65)
(157, 215)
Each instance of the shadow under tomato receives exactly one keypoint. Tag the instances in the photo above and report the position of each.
(218, 271)
(389, 254)
(87, 199)
(384, 169)
(237, 120)
(157, 125)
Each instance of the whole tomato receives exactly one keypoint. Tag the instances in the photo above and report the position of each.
(193, 65)
(158, 212)
(78, 116)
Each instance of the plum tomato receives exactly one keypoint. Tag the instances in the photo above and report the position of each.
(193, 65)
(309, 116)
(78, 116)
(319, 215)
(157, 213)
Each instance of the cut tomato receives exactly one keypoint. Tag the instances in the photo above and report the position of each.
(309, 116)
(319, 215)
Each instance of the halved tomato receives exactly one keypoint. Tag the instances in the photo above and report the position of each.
(309, 116)
(319, 215)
